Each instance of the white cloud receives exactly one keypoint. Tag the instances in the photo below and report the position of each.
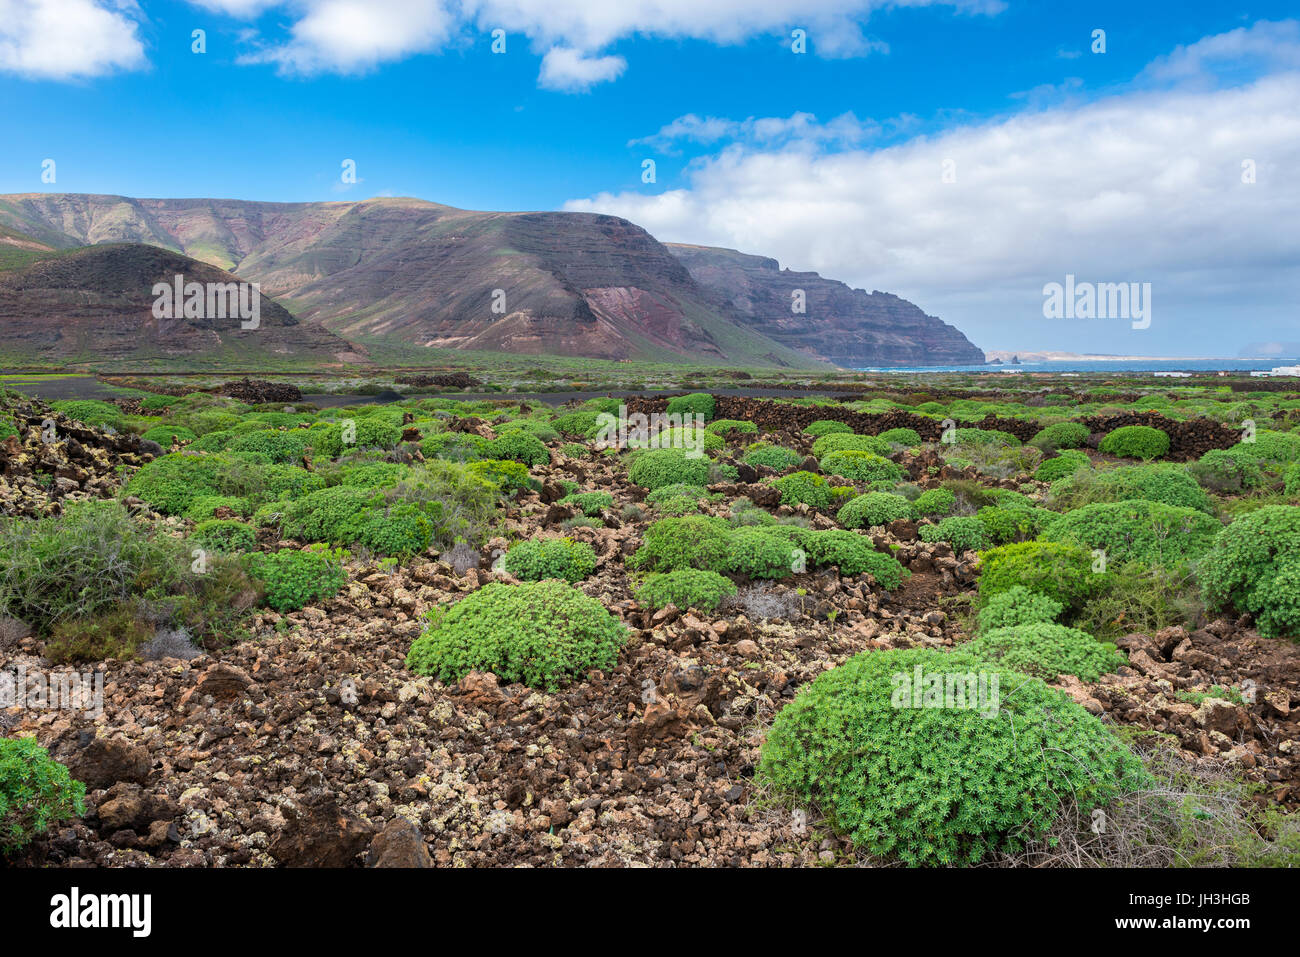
(352, 36)
(1145, 187)
(570, 70)
(69, 39)
(573, 35)
(845, 129)
(1266, 45)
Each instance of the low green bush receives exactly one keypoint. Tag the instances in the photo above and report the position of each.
(974, 783)
(701, 403)
(847, 442)
(1067, 463)
(518, 446)
(36, 792)
(90, 412)
(804, 488)
(874, 508)
(164, 434)
(654, 468)
(506, 474)
(773, 456)
(962, 532)
(539, 558)
(1062, 435)
(1253, 566)
(853, 554)
(908, 438)
(1018, 606)
(732, 427)
(685, 588)
(1163, 482)
(543, 634)
(826, 427)
(695, 541)
(1137, 531)
(1227, 470)
(293, 579)
(1046, 650)
(1063, 572)
(1136, 442)
(763, 551)
(935, 501)
(1012, 524)
(861, 466)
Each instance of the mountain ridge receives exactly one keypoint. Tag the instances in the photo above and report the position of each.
(429, 275)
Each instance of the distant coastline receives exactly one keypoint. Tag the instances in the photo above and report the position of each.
(1004, 356)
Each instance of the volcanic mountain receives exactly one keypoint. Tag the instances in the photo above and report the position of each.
(425, 275)
(849, 327)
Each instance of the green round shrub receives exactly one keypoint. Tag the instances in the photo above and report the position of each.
(1062, 435)
(518, 446)
(35, 792)
(654, 468)
(695, 541)
(935, 501)
(985, 437)
(940, 785)
(697, 403)
(853, 554)
(1018, 606)
(665, 492)
(827, 427)
(583, 422)
(1012, 524)
(1063, 572)
(874, 508)
(685, 588)
(847, 442)
(1253, 566)
(861, 466)
(163, 435)
(1151, 533)
(773, 456)
(543, 634)
(1276, 448)
(732, 427)
(908, 438)
(90, 412)
(764, 551)
(1163, 482)
(1136, 442)
(962, 532)
(1067, 463)
(292, 579)
(1228, 471)
(1047, 650)
(539, 558)
(804, 488)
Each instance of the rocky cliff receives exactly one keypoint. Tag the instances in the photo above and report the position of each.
(846, 326)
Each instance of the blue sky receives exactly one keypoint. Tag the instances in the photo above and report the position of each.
(792, 155)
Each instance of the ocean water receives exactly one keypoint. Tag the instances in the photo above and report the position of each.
(1136, 366)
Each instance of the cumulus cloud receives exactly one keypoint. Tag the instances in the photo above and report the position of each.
(570, 70)
(572, 35)
(352, 36)
(69, 39)
(1144, 186)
